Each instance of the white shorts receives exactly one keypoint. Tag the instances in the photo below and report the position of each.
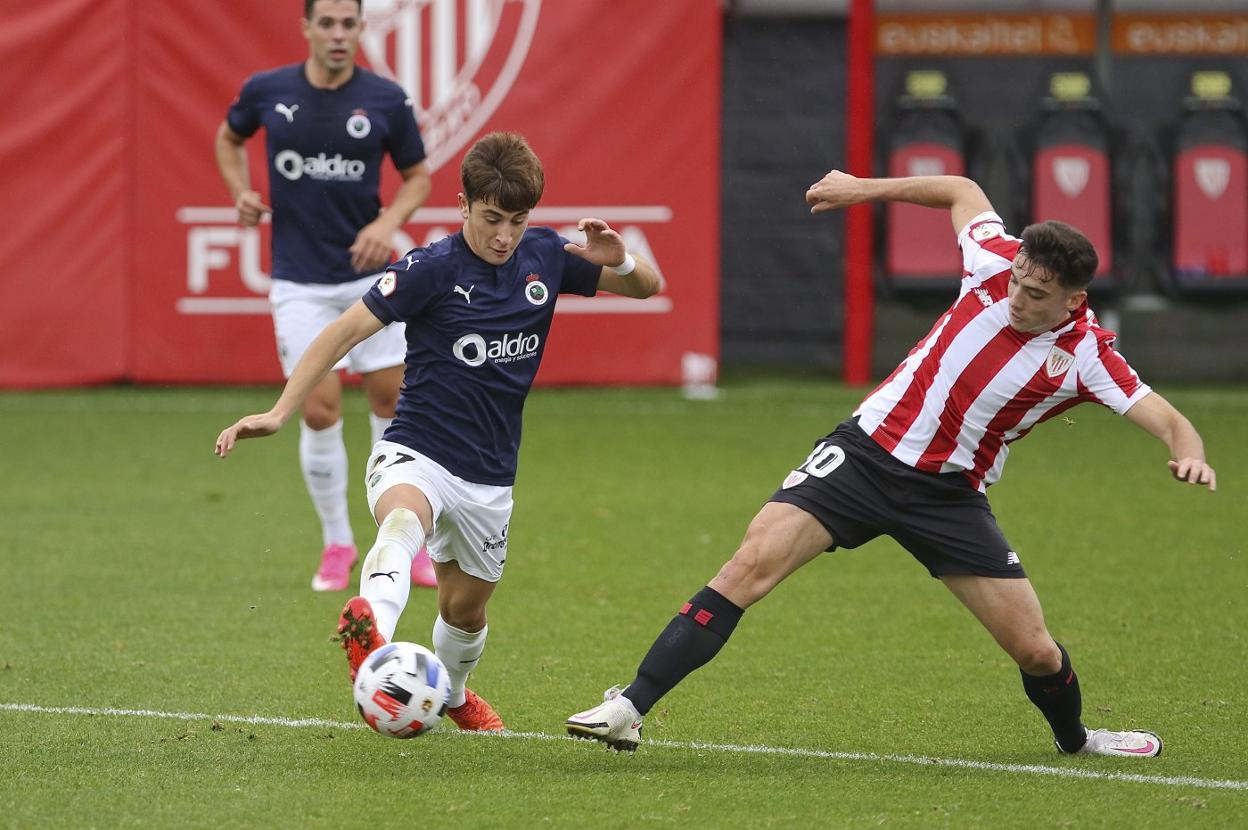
(469, 520)
(301, 311)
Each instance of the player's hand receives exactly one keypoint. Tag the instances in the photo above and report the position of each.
(603, 246)
(250, 208)
(252, 426)
(373, 248)
(834, 191)
(1194, 471)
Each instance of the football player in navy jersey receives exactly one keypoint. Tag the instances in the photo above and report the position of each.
(478, 307)
(328, 125)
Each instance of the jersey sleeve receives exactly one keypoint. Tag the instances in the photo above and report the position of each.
(1106, 378)
(405, 290)
(987, 249)
(404, 144)
(243, 116)
(580, 276)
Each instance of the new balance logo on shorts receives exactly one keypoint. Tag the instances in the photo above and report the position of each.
(1011, 558)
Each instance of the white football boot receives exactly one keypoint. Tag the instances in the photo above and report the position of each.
(1134, 743)
(614, 722)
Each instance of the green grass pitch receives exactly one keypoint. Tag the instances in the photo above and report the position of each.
(140, 573)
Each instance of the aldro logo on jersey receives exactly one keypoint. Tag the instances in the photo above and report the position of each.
(333, 168)
(474, 349)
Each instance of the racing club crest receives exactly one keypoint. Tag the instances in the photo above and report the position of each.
(358, 125)
(535, 291)
(456, 59)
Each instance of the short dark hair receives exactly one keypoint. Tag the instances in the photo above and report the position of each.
(503, 170)
(308, 4)
(1062, 251)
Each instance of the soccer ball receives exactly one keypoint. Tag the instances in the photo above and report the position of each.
(401, 690)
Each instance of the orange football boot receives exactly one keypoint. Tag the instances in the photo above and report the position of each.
(476, 715)
(357, 633)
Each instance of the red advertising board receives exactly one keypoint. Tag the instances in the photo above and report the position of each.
(620, 100)
(65, 159)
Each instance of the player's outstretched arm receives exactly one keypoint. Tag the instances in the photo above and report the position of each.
(357, 323)
(604, 246)
(960, 196)
(1157, 416)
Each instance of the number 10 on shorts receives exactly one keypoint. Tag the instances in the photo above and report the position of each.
(822, 460)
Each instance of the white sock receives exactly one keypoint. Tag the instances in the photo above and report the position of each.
(378, 425)
(323, 459)
(385, 575)
(460, 652)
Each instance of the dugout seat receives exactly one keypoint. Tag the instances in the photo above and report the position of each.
(1142, 214)
(1210, 190)
(926, 137)
(1070, 167)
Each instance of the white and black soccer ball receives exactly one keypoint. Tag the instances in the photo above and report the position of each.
(401, 690)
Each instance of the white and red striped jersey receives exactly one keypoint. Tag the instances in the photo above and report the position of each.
(975, 384)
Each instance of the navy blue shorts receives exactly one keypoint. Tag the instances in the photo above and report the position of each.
(858, 492)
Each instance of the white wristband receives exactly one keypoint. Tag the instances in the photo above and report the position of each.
(626, 267)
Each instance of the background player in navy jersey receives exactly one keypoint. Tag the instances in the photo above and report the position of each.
(478, 306)
(328, 125)
(1018, 346)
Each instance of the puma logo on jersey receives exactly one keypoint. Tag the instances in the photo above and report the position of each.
(411, 260)
(465, 291)
(289, 112)
(390, 574)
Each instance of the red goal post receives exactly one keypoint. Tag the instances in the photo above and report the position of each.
(859, 308)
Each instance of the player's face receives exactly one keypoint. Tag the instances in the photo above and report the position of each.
(491, 232)
(1037, 301)
(333, 32)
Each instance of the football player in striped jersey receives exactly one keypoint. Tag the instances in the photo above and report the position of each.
(1018, 346)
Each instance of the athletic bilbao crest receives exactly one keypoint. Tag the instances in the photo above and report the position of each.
(1212, 176)
(1071, 174)
(1058, 362)
(457, 59)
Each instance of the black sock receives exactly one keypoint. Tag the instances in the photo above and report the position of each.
(691, 639)
(1058, 699)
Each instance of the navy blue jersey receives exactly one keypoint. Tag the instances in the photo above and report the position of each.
(325, 148)
(475, 336)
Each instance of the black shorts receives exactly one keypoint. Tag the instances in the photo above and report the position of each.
(858, 492)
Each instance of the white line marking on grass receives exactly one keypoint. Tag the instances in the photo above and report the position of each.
(913, 760)
(150, 713)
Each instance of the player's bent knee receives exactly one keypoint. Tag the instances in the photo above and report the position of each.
(748, 576)
(465, 617)
(319, 418)
(384, 407)
(1038, 657)
(401, 520)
